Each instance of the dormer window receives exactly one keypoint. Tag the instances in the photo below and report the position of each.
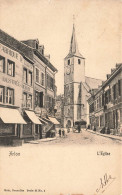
(36, 45)
(69, 62)
(79, 61)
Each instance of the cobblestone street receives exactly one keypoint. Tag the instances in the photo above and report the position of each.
(82, 138)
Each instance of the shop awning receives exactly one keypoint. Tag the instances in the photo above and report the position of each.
(9, 115)
(32, 116)
(43, 121)
(54, 120)
(46, 119)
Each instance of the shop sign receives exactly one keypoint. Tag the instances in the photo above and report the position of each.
(26, 88)
(11, 52)
(41, 111)
(11, 81)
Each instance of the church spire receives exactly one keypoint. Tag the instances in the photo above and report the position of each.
(73, 44)
(74, 51)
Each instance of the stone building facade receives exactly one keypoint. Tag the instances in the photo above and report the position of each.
(76, 85)
(24, 87)
(105, 105)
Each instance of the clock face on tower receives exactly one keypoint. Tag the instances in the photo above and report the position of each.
(68, 69)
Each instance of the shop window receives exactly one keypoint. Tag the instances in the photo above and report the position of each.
(1, 94)
(25, 75)
(10, 96)
(2, 64)
(37, 75)
(79, 61)
(24, 100)
(11, 68)
(30, 78)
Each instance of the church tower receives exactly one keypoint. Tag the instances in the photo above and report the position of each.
(74, 75)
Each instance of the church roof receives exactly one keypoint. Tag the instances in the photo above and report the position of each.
(74, 51)
(93, 83)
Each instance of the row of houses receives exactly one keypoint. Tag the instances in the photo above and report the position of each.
(105, 104)
(27, 89)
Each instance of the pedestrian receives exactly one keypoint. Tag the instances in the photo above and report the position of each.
(59, 132)
(79, 128)
(63, 133)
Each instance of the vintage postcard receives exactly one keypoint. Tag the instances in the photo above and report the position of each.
(60, 97)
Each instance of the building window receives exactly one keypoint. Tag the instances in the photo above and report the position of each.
(79, 61)
(10, 96)
(41, 99)
(25, 75)
(11, 68)
(119, 87)
(1, 94)
(42, 79)
(114, 92)
(37, 46)
(29, 101)
(37, 98)
(100, 101)
(30, 78)
(91, 108)
(50, 82)
(24, 100)
(2, 64)
(97, 103)
(37, 75)
(69, 62)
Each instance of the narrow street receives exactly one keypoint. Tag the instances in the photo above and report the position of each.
(82, 138)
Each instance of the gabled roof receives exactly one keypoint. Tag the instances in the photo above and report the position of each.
(74, 51)
(16, 45)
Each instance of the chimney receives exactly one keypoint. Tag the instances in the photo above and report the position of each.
(112, 70)
(47, 57)
(108, 76)
(41, 49)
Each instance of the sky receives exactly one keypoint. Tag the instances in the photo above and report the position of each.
(98, 25)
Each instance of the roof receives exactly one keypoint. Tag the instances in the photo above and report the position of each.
(74, 51)
(45, 60)
(92, 83)
(16, 45)
(114, 72)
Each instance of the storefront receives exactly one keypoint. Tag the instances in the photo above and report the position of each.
(31, 130)
(10, 120)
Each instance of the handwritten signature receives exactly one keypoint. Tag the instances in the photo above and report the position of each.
(105, 182)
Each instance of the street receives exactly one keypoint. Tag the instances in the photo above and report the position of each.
(82, 138)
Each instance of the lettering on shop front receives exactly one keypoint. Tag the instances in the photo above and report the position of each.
(26, 88)
(11, 53)
(7, 80)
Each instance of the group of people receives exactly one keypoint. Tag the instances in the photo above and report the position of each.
(62, 132)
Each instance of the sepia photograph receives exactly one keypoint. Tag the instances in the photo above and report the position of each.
(60, 97)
